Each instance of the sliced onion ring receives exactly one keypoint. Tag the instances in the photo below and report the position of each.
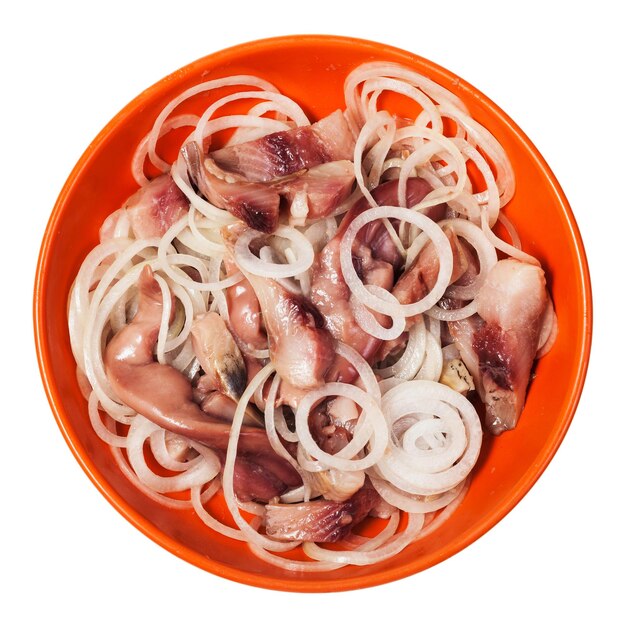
(414, 473)
(370, 428)
(370, 324)
(411, 503)
(436, 235)
(248, 262)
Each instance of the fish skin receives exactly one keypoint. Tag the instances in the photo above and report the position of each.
(319, 520)
(286, 152)
(300, 345)
(499, 343)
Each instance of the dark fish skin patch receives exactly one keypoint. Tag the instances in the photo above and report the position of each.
(494, 355)
(319, 520)
(291, 152)
(261, 220)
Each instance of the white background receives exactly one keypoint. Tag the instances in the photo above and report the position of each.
(67, 556)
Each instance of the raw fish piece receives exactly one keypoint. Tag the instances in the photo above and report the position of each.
(255, 204)
(245, 319)
(499, 343)
(164, 395)
(322, 188)
(155, 207)
(289, 151)
(300, 346)
(376, 260)
(218, 354)
(319, 520)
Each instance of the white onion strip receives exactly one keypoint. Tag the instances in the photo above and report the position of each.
(409, 363)
(370, 428)
(366, 320)
(362, 367)
(272, 435)
(410, 502)
(503, 246)
(101, 430)
(209, 85)
(142, 148)
(432, 230)
(200, 470)
(228, 471)
(170, 503)
(366, 545)
(380, 120)
(252, 264)
(487, 256)
(276, 102)
(167, 262)
(377, 69)
(408, 471)
(367, 557)
(207, 518)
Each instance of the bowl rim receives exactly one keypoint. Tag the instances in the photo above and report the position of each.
(158, 536)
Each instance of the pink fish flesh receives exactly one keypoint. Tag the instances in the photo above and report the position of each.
(386, 194)
(255, 204)
(286, 152)
(218, 354)
(376, 260)
(300, 346)
(244, 310)
(319, 520)
(499, 343)
(154, 208)
(419, 279)
(323, 187)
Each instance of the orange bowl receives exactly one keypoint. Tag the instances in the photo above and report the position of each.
(311, 70)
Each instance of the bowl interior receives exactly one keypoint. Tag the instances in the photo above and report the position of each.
(311, 70)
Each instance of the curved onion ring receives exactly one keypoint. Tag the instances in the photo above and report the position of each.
(411, 503)
(199, 471)
(436, 235)
(366, 557)
(370, 428)
(252, 264)
(370, 324)
(420, 472)
(410, 362)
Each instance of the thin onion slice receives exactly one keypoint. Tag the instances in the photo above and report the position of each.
(411, 472)
(228, 471)
(367, 557)
(410, 502)
(432, 230)
(252, 264)
(370, 429)
(209, 85)
(370, 324)
(410, 362)
(200, 470)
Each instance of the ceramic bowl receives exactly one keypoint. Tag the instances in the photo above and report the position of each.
(311, 70)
